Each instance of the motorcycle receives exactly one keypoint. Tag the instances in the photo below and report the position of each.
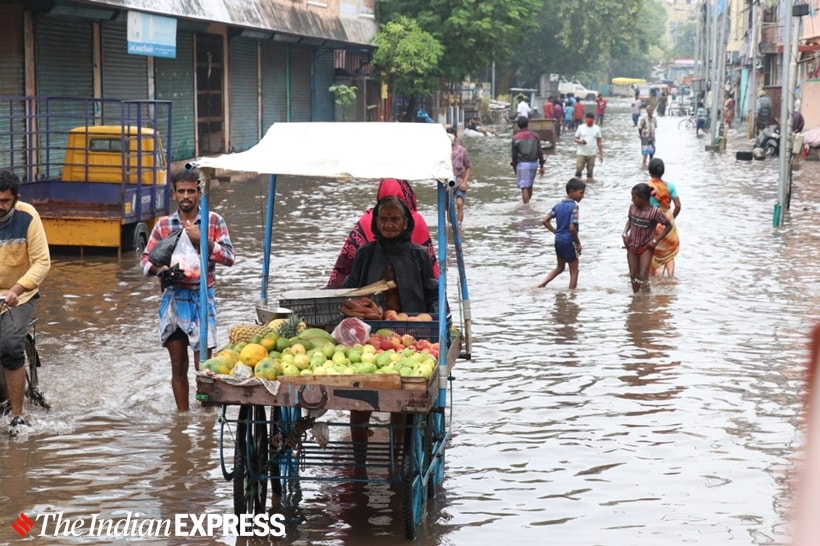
(767, 143)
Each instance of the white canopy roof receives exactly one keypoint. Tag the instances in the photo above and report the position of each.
(409, 151)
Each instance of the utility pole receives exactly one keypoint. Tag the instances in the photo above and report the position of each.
(751, 99)
(791, 39)
(786, 95)
(720, 19)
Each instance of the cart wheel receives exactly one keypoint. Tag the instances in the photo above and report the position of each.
(275, 432)
(284, 464)
(250, 483)
(438, 447)
(414, 490)
(33, 392)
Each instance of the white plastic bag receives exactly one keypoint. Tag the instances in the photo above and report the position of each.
(351, 331)
(186, 256)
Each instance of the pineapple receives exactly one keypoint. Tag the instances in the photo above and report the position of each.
(291, 327)
(244, 332)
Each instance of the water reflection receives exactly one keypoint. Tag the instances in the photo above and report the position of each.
(589, 415)
(565, 311)
(652, 332)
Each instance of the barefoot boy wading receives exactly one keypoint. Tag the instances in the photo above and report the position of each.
(567, 243)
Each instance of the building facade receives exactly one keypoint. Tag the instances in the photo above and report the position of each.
(237, 66)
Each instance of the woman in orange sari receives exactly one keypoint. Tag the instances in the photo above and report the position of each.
(664, 195)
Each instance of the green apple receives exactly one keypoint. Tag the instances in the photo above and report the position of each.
(355, 354)
(317, 360)
(339, 357)
(301, 361)
(368, 358)
(291, 370)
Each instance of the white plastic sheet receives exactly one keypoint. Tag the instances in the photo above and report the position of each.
(369, 150)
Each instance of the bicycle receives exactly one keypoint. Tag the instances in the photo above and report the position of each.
(688, 123)
(33, 394)
(691, 122)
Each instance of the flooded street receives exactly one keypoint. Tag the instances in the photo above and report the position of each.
(586, 417)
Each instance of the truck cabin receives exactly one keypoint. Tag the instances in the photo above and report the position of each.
(113, 153)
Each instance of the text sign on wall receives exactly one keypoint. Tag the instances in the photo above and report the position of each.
(152, 35)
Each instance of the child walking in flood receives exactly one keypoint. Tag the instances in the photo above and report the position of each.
(639, 235)
(567, 243)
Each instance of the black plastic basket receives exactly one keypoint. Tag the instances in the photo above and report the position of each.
(419, 329)
(322, 312)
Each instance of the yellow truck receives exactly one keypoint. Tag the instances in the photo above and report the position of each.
(97, 170)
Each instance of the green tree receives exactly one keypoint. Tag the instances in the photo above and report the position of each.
(684, 36)
(589, 36)
(473, 33)
(408, 57)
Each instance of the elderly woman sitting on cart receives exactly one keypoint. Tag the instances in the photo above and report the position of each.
(393, 257)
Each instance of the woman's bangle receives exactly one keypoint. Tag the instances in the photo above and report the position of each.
(654, 241)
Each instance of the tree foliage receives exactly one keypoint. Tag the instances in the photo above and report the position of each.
(684, 37)
(408, 56)
(474, 33)
(590, 36)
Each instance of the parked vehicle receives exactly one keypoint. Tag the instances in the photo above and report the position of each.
(767, 143)
(95, 169)
(625, 87)
(578, 90)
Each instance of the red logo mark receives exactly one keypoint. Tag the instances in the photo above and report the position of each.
(22, 524)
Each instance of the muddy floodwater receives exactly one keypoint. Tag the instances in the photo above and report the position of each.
(586, 417)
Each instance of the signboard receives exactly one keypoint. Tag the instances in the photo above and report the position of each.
(152, 35)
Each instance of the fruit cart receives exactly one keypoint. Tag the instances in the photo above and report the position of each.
(281, 430)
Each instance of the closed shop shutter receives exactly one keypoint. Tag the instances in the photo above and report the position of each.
(12, 83)
(174, 81)
(12, 80)
(64, 57)
(64, 68)
(274, 84)
(124, 76)
(323, 74)
(300, 83)
(243, 74)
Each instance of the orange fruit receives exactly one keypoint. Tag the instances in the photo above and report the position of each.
(252, 353)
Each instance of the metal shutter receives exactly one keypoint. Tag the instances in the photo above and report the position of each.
(64, 68)
(64, 58)
(300, 83)
(174, 81)
(323, 75)
(243, 82)
(274, 84)
(12, 80)
(12, 83)
(124, 76)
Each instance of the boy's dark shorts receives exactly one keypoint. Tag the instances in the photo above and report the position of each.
(566, 251)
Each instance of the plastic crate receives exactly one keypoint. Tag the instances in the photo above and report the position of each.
(322, 312)
(417, 328)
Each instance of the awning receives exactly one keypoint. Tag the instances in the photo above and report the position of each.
(363, 150)
(330, 30)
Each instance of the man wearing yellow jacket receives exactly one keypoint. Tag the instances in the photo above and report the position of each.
(24, 264)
